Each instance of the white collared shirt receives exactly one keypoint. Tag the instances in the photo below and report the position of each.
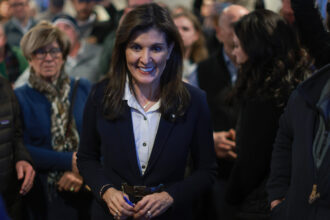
(145, 126)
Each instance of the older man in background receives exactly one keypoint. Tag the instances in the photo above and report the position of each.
(84, 57)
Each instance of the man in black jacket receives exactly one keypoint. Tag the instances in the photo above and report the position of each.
(16, 171)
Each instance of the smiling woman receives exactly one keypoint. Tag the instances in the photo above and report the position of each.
(143, 121)
(146, 57)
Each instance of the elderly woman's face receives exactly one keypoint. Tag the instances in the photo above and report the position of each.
(47, 61)
(146, 57)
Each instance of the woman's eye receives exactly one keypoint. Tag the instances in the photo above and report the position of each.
(157, 48)
(135, 47)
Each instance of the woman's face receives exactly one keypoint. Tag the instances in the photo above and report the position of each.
(146, 57)
(187, 31)
(240, 55)
(47, 61)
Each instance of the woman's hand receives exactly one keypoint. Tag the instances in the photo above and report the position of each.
(26, 173)
(70, 181)
(116, 204)
(224, 144)
(152, 205)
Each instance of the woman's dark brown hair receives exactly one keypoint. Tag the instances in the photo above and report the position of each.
(276, 62)
(174, 96)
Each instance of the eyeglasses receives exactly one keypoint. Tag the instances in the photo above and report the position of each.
(41, 53)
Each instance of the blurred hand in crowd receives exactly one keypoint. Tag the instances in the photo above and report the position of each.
(26, 173)
(224, 143)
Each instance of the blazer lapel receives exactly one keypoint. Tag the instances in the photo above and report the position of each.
(125, 129)
(164, 130)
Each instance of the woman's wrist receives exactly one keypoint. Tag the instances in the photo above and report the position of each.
(104, 188)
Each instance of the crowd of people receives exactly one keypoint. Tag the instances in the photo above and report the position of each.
(218, 111)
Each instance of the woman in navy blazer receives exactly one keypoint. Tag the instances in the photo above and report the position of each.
(141, 123)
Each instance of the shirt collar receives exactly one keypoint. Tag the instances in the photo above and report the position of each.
(133, 103)
(18, 24)
(230, 66)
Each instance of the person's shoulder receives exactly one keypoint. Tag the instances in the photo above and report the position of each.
(320, 77)
(312, 87)
(25, 92)
(93, 48)
(5, 86)
(83, 82)
(23, 89)
(195, 92)
(8, 23)
(3, 81)
(34, 22)
(99, 88)
(17, 51)
(209, 62)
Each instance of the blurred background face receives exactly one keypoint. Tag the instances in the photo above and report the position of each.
(207, 8)
(187, 31)
(225, 31)
(69, 31)
(84, 8)
(287, 12)
(240, 55)
(5, 10)
(19, 8)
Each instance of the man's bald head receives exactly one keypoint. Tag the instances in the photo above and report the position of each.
(231, 14)
(225, 30)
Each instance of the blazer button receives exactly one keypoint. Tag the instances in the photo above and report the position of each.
(144, 144)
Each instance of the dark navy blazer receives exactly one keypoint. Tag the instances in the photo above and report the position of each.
(107, 153)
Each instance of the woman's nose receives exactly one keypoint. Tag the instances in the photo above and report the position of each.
(145, 56)
(48, 56)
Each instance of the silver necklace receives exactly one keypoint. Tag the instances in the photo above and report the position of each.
(146, 105)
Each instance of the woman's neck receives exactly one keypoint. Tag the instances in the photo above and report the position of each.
(146, 95)
(187, 53)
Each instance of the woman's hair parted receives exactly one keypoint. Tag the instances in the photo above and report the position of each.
(276, 61)
(42, 34)
(173, 94)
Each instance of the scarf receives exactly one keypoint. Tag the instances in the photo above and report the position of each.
(64, 138)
